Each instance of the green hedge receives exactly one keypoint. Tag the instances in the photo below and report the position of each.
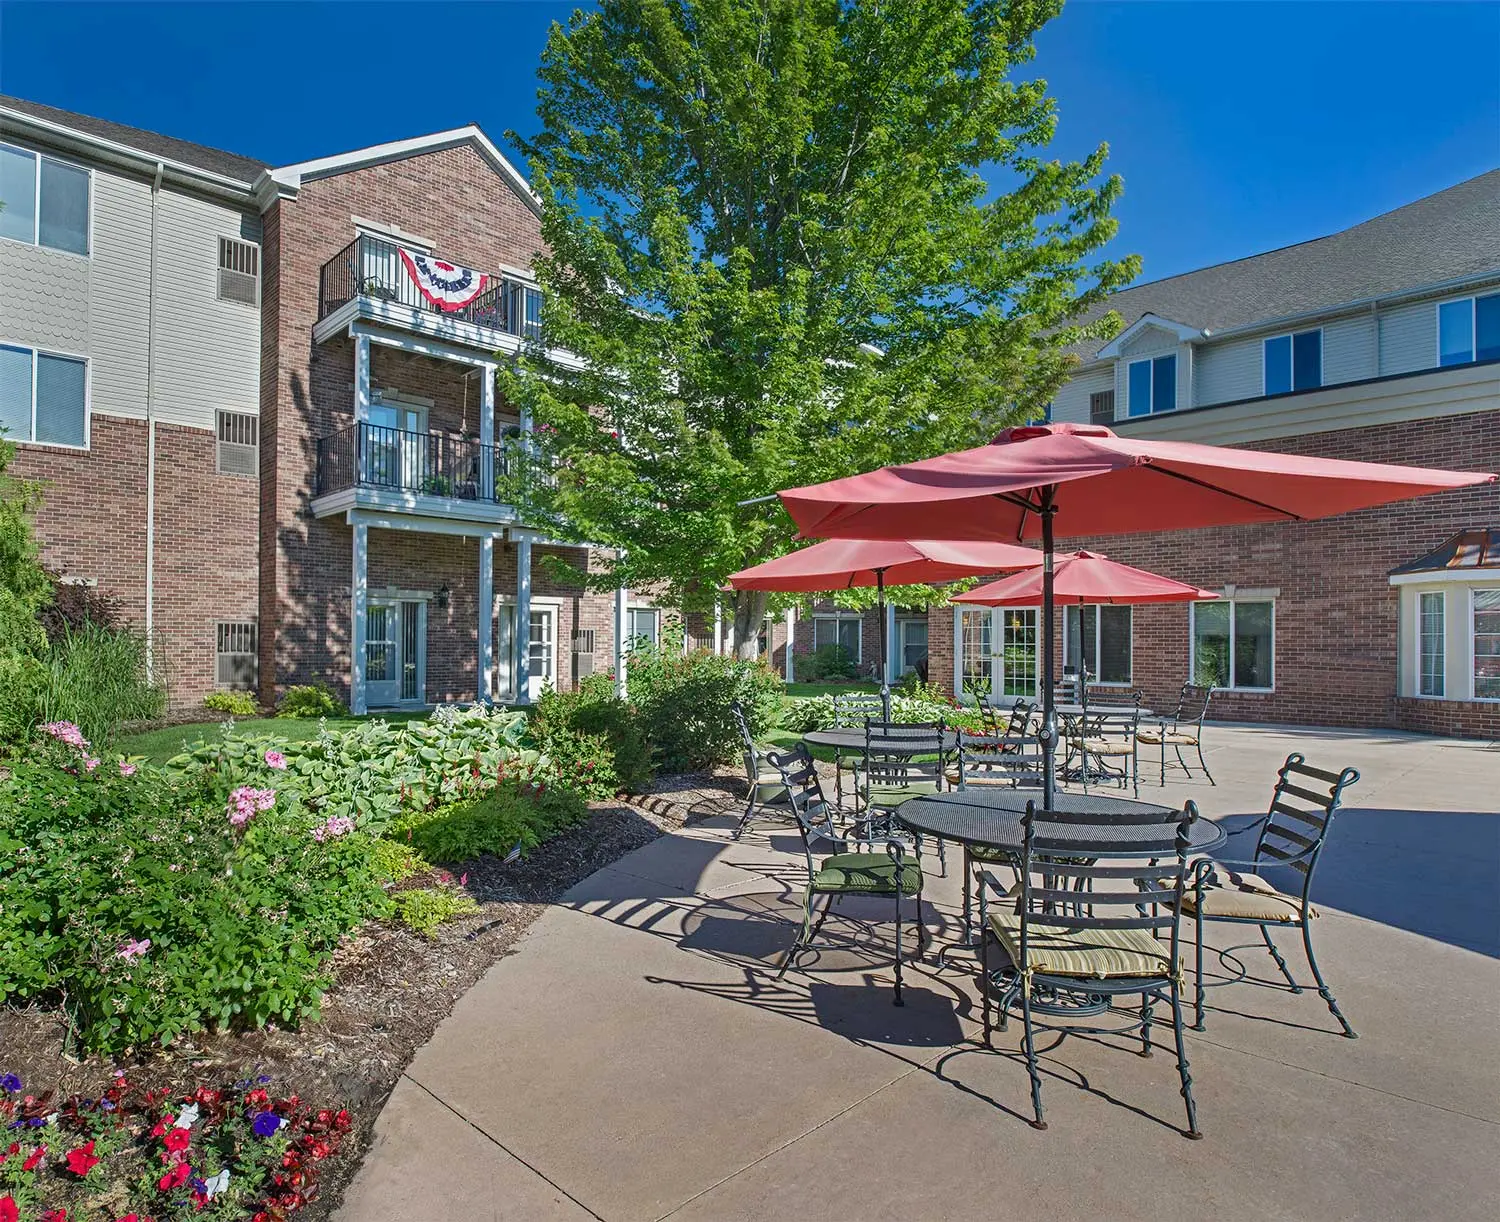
(684, 703)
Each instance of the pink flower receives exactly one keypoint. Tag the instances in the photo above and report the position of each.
(126, 769)
(66, 732)
(90, 763)
(334, 825)
(275, 759)
(247, 801)
(132, 950)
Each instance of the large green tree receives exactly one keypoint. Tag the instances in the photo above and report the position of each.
(773, 259)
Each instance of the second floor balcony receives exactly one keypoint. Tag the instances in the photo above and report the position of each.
(396, 284)
(452, 476)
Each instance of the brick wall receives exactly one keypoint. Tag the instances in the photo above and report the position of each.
(1336, 614)
(92, 524)
(456, 199)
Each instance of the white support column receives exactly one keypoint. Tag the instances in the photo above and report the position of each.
(622, 624)
(486, 618)
(791, 632)
(358, 603)
(361, 379)
(523, 620)
(718, 629)
(487, 430)
(892, 646)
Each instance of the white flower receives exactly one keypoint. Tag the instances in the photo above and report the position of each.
(186, 1118)
(215, 1185)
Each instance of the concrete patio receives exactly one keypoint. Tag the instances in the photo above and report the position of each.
(635, 1059)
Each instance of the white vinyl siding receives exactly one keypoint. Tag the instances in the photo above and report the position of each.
(1071, 403)
(1349, 349)
(1408, 337)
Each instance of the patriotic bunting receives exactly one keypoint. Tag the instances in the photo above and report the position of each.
(445, 285)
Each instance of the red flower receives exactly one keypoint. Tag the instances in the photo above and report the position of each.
(341, 1121)
(177, 1140)
(159, 1129)
(35, 1158)
(258, 1097)
(9, 1210)
(175, 1178)
(81, 1159)
(55, 1215)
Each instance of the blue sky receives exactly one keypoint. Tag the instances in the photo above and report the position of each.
(1238, 127)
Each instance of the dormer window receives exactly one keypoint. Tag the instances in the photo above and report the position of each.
(1152, 385)
(1293, 362)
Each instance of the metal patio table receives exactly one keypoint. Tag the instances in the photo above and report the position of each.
(1081, 712)
(991, 819)
(852, 738)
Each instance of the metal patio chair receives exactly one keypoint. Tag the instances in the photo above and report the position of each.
(884, 867)
(902, 760)
(1292, 834)
(1082, 928)
(1183, 729)
(767, 794)
(850, 712)
(1106, 746)
(1012, 761)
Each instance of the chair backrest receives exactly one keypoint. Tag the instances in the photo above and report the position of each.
(1192, 706)
(1003, 759)
(898, 753)
(805, 791)
(989, 718)
(852, 710)
(1021, 714)
(1116, 725)
(1302, 808)
(1069, 882)
(752, 760)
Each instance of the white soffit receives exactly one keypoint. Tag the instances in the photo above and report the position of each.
(1184, 333)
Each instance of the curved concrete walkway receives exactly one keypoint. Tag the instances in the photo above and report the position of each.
(635, 1059)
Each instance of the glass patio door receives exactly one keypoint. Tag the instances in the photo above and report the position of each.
(911, 644)
(394, 447)
(1016, 660)
(394, 654)
(541, 652)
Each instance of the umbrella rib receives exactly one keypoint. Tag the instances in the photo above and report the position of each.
(1249, 500)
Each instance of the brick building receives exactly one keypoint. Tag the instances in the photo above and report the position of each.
(1382, 343)
(262, 402)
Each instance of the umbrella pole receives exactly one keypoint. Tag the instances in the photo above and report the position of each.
(885, 671)
(1049, 703)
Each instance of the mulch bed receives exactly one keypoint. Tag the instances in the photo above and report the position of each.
(392, 986)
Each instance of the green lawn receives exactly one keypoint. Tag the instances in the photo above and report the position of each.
(158, 746)
(829, 689)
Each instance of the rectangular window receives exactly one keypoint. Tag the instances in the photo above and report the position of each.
(1469, 330)
(1234, 645)
(239, 443)
(1153, 385)
(239, 271)
(43, 397)
(841, 630)
(43, 202)
(1102, 407)
(912, 637)
(642, 625)
(1293, 362)
(1431, 643)
(1487, 644)
(235, 655)
(1104, 634)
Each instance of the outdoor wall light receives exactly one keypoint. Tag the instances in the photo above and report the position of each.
(443, 595)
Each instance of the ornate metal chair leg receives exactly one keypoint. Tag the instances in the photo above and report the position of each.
(1280, 962)
(1031, 1069)
(1323, 990)
(744, 822)
(1147, 1001)
(1187, 773)
(1164, 759)
(898, 1001)
(984, 985)
(1198, 971)
(1183, 1071)
(1203, 764)
(804, 937)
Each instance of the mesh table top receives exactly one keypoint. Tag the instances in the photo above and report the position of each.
(853, 739)
(992, 818)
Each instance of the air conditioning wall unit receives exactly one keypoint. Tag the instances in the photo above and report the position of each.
(583, 653)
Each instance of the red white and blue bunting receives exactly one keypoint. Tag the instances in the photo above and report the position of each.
(445, 285)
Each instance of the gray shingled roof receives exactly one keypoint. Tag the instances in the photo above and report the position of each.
(215, 161)
(1452, 234)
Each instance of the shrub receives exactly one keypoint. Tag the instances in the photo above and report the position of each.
(423, 910)
(593, 739)
(96, 677)
(376, 769)
(817, 712)
(137, 903)
(75, 604)
(514, 815)
(310, 700)
(236, 704)
(827, 662)
(684, 704)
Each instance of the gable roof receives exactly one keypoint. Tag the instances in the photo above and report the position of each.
(1447, 236)
(196, 156)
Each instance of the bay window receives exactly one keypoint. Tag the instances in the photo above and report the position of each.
(1102, 633)
(1234, 644)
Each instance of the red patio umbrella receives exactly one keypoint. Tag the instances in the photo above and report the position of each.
(1038, 480)
(845, 564)
(1084, 577)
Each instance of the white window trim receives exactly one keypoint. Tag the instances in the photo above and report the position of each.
(1151, 360)
(36, 203)
(88, 398)
(1470, 685)
(1417, 691)
(1243, 597)
(1099, 641)
(1292, 356)
(655, 612)
(1437, 328)
(842, 615)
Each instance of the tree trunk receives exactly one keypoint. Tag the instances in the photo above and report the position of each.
(749, 614)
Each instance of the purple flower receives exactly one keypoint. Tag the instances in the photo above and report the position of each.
(10, 1082)
(266, 1124)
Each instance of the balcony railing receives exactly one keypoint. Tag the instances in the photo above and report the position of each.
(372, 268)
(425, 464)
